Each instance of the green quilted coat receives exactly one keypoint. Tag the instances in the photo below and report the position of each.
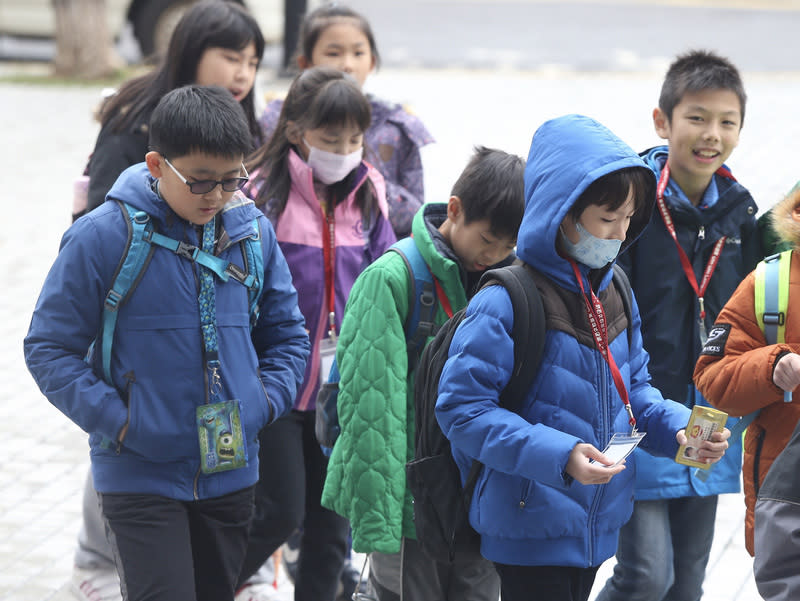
(366, 479)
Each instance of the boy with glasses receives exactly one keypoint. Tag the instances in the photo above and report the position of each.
(174, 419)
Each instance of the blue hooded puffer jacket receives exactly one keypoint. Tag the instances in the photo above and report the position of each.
(527, 510)
(157, 358)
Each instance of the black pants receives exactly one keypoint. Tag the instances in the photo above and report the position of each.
(291, 476)
(169, 550)
(545, 583)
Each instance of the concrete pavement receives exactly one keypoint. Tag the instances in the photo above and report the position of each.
(47, 134)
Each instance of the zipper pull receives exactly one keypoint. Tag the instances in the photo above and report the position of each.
(701, 233)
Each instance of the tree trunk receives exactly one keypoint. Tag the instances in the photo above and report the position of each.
(83, 42)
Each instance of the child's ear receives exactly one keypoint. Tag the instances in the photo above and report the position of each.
(454, 208)
(154, 163)
(303, 63)
(796, 213)
(661, 123)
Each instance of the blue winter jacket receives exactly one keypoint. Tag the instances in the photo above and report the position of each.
(527, 510)
(670, 313)
(157, 356)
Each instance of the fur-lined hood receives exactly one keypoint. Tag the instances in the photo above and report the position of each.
(787, 229)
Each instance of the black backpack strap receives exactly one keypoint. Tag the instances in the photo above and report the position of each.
(623, 285)
(528, 331)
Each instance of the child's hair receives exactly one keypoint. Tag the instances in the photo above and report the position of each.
(323, 17)
(318, 97)
(611, 191)
(208, 24)
(205, 119)
(492, 187)
(699, 70)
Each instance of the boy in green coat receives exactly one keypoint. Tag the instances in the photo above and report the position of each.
(474, 231)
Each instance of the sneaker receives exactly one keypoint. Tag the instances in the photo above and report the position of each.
(95, 584)
(258, 592)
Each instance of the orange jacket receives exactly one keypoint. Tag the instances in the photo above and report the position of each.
(734, 372)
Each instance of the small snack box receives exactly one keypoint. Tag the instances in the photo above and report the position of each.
(703, 422)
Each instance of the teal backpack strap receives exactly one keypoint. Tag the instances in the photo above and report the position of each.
(420, 323)
(129, 270)
(771, 300)
(253, 255)
(141, 240)
(776, 300)
(223, 269)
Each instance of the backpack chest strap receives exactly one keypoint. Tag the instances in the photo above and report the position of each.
(224, 270)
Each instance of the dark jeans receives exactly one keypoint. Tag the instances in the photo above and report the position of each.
(545, 583)
(169, 550)
(291, 476)
(663, 551)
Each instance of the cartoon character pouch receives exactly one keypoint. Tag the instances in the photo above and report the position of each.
(222, 441)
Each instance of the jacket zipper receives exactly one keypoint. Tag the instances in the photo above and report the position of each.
(605, 418)
(130, 378)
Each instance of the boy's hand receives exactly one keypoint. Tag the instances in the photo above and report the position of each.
(711, 450)
(578, 465)
(786, 374)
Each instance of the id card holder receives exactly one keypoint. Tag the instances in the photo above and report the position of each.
(703, 422)
(327, 353)
(621, 445)
(222, 441)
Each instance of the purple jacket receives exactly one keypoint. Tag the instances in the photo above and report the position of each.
(392, 146)
(299, 232)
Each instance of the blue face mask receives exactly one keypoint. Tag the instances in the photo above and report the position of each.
(591, 251)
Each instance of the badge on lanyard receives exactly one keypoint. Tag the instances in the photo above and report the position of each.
(219, 428)
(327, 353)
(620, 446)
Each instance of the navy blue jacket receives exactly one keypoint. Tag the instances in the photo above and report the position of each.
(668, 303)
(157, 358)
(526, 509)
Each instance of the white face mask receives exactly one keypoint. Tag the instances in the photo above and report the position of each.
(329, 167)
(591, 251)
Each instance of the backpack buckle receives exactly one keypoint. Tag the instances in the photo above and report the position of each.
(187, 251)
(774, 319)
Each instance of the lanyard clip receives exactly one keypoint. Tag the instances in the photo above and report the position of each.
(332, 326)
(631, 419)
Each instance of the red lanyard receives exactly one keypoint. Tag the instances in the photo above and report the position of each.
(329, 256)
(687, 266)
(443, 300)
(597, 321)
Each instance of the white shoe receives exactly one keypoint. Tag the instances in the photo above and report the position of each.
(258, 592)
(95, 584)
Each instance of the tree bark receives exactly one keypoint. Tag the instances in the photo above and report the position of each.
(83, 42)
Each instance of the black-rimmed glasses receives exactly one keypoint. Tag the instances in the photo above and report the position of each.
(205, 186)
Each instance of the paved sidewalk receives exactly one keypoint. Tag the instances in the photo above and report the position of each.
(47, 135)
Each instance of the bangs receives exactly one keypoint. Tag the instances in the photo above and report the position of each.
(613, 188)
(235, 33)
(339, 102)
